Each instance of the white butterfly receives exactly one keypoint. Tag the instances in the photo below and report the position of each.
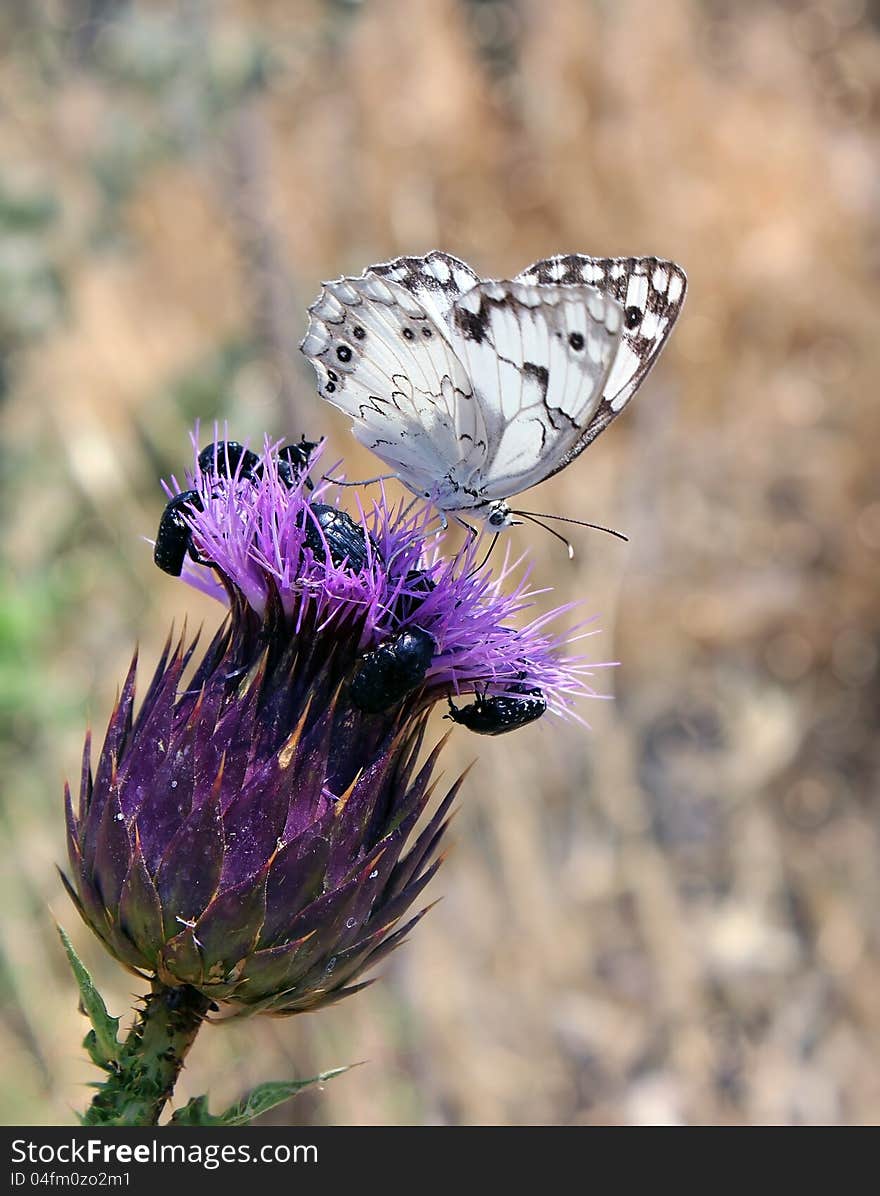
(472, 390)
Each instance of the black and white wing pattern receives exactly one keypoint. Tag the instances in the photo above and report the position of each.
(435, 281)
(650, 291)
(472, 390)
(382, 355)
(538, 359)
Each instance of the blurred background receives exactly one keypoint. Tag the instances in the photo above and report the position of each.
(671, 918)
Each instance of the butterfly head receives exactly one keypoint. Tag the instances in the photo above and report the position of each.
(498, 516)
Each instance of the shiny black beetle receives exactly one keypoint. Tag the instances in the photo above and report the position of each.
(417, 586)
(229, 459)
(387, 674)
(174, 538)
(293, 462)
(496, 714)
(224, 458)
(344, 538)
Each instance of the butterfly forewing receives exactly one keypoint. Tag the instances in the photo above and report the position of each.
(382, 359)
(436, 281)
(651, 292)
(538, 358)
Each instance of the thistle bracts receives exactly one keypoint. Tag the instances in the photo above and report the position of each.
(243, 834)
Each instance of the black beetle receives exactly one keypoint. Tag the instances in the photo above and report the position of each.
(344, 537)
(174, 538)
(293, 460)
(222, 458)
(496, 714)
(228, 459)
(395, 668)
(415, 589)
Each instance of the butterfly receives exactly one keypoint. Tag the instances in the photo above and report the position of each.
(474, 390)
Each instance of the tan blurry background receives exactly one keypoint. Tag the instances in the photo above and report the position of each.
(673, 918)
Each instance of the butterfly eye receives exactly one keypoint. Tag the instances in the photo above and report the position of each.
(576, 340)
(496, 519)
(632, 317)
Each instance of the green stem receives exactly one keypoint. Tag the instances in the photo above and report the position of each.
(150, 1062)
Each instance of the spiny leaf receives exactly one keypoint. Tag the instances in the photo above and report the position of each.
(102, 1041)
(195, 1112)
(260, 1100)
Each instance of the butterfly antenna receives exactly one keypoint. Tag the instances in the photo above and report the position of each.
(564, 519)
(532, 519)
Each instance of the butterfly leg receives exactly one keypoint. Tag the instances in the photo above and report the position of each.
(383, 477)
(485, 559)
(471, 531)
(409, 506)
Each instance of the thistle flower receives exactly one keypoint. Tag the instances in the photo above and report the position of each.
(251, 831)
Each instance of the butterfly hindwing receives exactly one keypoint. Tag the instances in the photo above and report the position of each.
(538, 358)
(382, 359)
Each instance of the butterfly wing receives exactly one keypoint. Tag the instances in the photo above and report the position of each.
(473, 391)
(435, 281)
(650, 291)
(538, 358)
(383, 357)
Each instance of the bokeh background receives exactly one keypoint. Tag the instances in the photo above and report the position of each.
(674, 917)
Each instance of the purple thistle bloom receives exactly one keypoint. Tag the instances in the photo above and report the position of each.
(254, 533)
(249, 831)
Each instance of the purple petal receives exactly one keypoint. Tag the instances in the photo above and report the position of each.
(353, 815)
(426, 843)
(252, 825)
(86, 782)
(269, 971)
(394, 906)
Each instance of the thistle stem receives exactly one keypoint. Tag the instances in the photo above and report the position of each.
(151, 1059)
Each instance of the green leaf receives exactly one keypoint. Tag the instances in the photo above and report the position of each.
(102, 1041)
(260, 1100)
(195, 1112)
